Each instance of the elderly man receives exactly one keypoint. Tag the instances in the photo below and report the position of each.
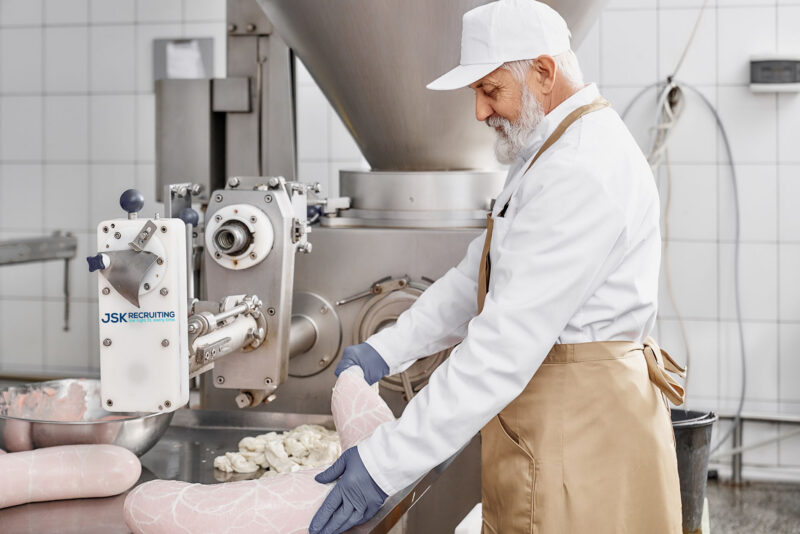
(552, 307)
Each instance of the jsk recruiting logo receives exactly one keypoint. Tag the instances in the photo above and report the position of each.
(139, 317)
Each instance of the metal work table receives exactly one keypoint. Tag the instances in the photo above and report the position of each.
(187, 452)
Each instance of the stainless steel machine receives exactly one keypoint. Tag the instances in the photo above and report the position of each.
(285, 279)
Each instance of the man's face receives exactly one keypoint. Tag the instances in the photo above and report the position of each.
(497, 94)
(510, 108)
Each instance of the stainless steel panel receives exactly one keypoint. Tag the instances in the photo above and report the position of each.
(245, 18)
(345, 262)
(231, 95)
(262, 142)
(271, 280)
(190, 138)
(372, 59)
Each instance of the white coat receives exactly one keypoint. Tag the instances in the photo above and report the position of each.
(575, 259)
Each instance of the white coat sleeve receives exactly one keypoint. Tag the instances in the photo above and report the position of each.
(438, 319)
(566, 238)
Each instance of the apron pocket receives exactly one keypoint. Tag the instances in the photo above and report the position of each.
(507, 481)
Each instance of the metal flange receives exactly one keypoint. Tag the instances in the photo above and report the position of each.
(329, 334)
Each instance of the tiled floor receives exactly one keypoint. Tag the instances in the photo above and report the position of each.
(754, 508)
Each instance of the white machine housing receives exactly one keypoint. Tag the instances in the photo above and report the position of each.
(144, 352)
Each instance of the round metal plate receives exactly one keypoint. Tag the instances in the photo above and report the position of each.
(258, 225)
(381, 312)
(329, 334)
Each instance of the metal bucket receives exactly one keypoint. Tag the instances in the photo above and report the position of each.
(693, 444)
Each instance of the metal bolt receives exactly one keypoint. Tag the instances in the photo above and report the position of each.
(217, 255)
(231, 28)
(117, 235)
(105, 229)
(218, 197)
(251, 28)
(322, 363)
(168, 403)
(109, 402)
(106, 291)
(106, 342)
(164, 291)
(113, 225)
(160, 261)
(323, 310)
(220, 380)
(268, 199)
(270, 311)
(163, 229)
(165, 342)
(146, 286)
(218, 218)
(268, 381)
(274, 181)
(253, 219)
(233, 181)
(253, 255)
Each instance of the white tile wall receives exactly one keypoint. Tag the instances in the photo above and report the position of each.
(21, 128)
(66, 62)
(66, 128)
(112, 62)
(20, 12)
(674, 28)
(21, 57)
(66, 11)
(624, 64)
(76, 128)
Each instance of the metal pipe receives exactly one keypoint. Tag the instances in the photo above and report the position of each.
(303, 335)
(236, 310)
(736, 460)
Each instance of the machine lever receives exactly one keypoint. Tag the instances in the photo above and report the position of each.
(383, 285)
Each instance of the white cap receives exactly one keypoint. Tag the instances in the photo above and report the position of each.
(502, 31)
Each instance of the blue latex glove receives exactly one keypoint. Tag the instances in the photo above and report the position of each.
(355, 499)
(364, 356)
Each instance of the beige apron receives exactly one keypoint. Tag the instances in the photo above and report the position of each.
(587, 447)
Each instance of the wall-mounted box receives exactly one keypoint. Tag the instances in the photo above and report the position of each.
(775, 73)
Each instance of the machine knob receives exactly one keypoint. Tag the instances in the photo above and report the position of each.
(189, 216)
(97, 263)
(132, 201)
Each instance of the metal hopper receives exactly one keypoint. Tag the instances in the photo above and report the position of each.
(373, 58)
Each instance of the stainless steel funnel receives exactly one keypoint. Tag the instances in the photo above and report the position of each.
(373, 58)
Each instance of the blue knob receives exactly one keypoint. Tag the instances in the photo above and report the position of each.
(131, 201)
(189, 216)
(96, 263)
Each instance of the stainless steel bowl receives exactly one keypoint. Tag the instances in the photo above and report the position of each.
(69, 412)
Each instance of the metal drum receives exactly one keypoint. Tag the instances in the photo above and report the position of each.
(693, 444)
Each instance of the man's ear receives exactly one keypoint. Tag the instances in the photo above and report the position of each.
(544, 69)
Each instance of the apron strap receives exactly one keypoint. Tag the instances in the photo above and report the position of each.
(485, 269)
(658, 369)
(598, 104)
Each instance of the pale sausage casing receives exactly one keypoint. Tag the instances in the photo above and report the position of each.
(68, 472)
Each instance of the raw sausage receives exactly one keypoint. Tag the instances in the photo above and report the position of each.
(282, 504)
(68, 472)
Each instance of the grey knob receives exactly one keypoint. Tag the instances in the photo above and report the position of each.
(132, 201)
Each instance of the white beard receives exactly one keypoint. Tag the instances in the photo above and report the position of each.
(514, 136)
